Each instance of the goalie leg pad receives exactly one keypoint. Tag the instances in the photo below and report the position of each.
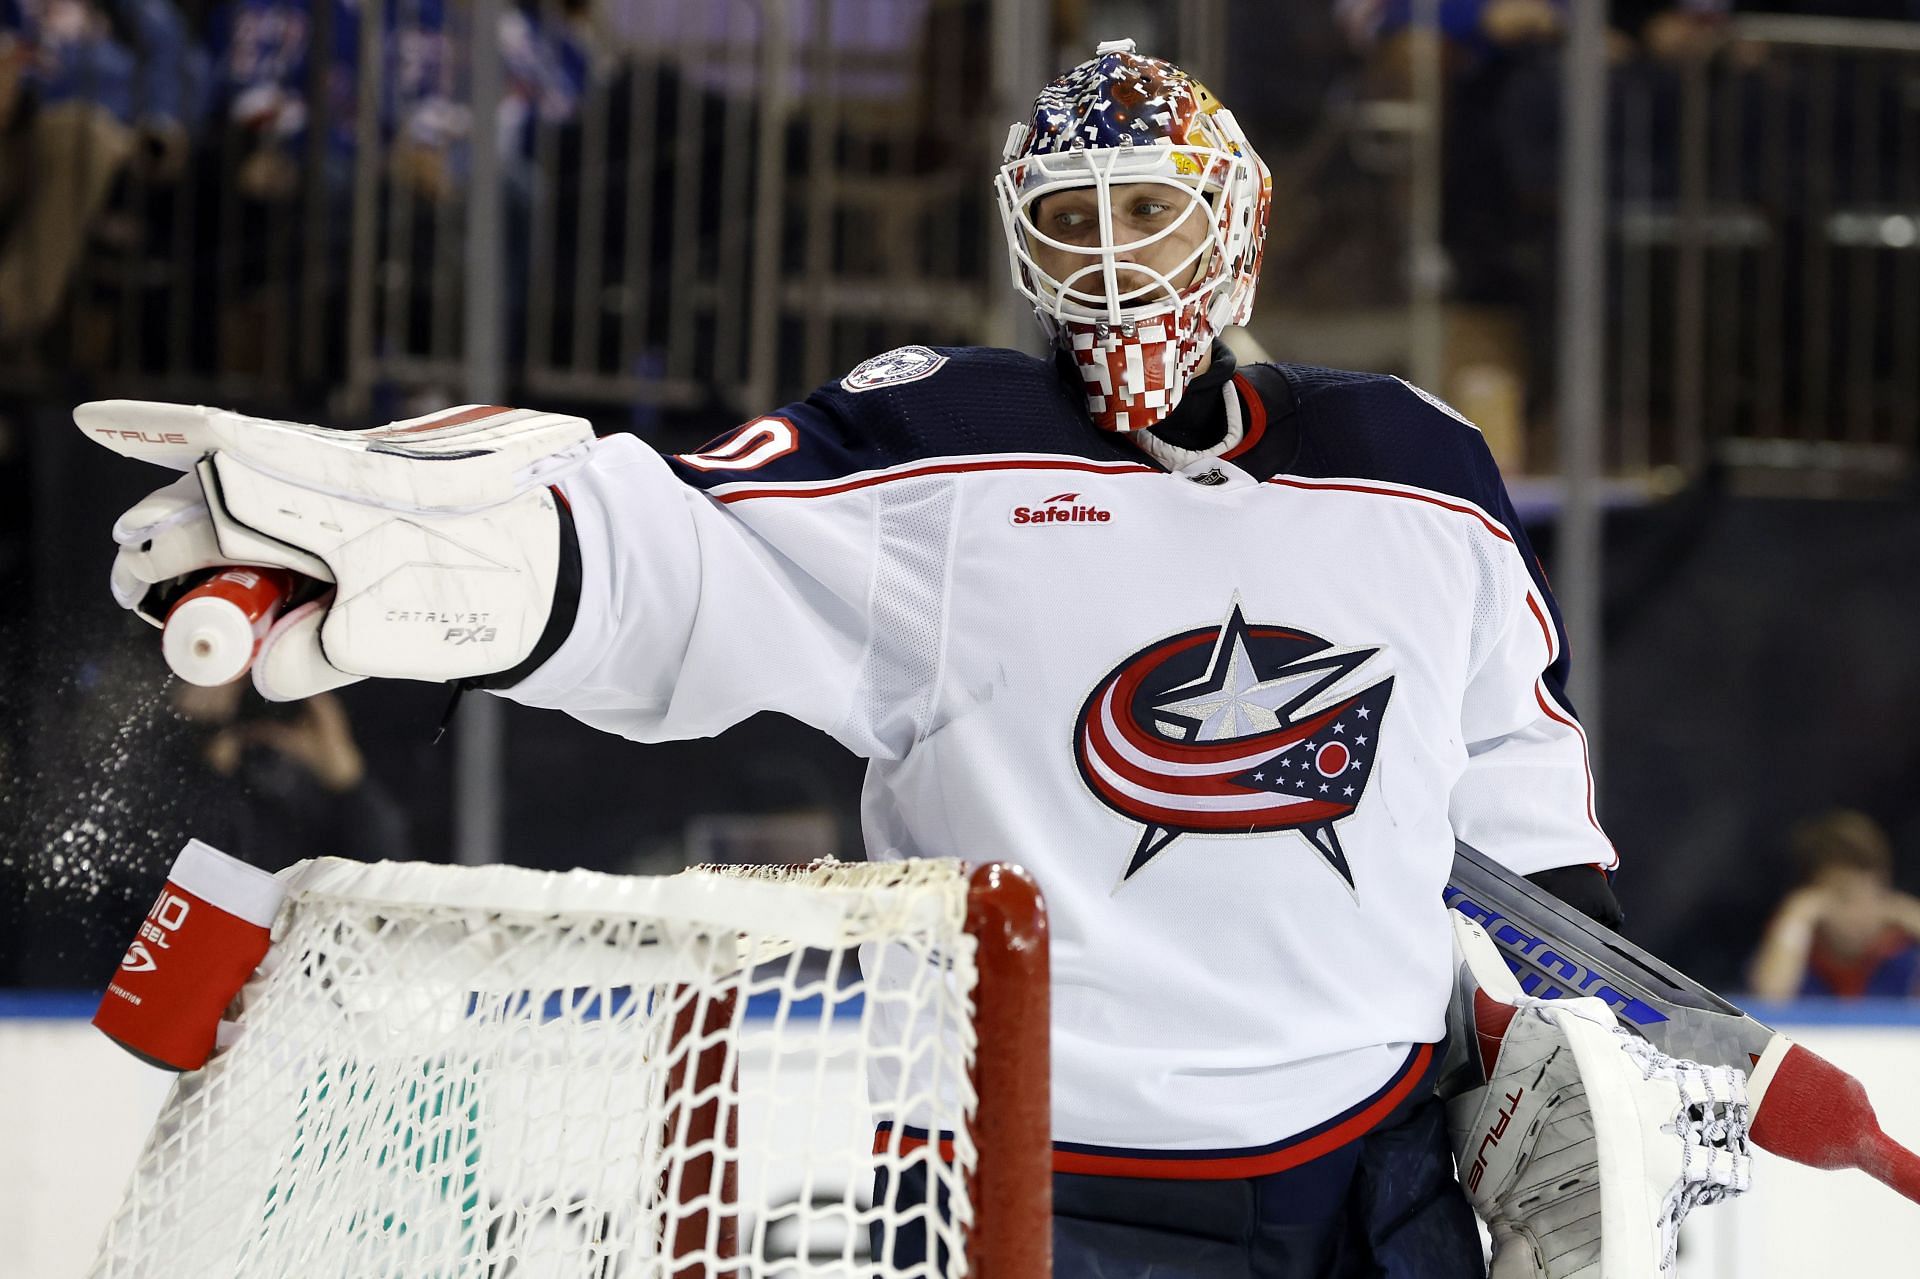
(1586, 1147)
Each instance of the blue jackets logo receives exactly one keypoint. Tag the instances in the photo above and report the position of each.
(1234, 729)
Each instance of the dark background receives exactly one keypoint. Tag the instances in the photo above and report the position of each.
(1760, 661)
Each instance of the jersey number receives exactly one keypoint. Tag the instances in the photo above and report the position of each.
(753, 445)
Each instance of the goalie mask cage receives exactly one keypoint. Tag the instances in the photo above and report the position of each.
(446, 1072)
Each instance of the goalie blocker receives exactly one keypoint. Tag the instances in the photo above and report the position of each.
(448, 551)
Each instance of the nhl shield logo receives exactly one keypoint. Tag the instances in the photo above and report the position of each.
(903, 364)
(1234, 729)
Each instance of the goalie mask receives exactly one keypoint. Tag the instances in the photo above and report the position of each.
(1135, 211)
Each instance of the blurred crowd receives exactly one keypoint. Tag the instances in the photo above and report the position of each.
(172, 132)
(200, 157)
(1777, 119)
(232, 96)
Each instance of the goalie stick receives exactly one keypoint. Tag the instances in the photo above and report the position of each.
(1804, 1108)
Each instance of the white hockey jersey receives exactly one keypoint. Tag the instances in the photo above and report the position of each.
(1231, 718)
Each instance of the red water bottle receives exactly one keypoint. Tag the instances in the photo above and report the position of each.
(206, 933)
(213, 632)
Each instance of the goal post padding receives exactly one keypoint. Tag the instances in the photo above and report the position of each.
(477, 1071)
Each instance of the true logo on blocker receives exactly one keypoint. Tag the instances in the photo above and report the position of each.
(1061, 508)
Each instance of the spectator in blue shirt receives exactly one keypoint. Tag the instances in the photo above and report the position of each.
(70, 54)
(260, 51)
(544, 67)
(1845, 931)
(171, 80)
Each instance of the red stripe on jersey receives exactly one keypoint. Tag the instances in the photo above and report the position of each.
(1171, 1167)
(1546, 629)
(949, 468)
(1100, 742)
(1540, 696)
(883, 1143)
(1283, 808)
(1586, 767)
(1273, 816)
(1256, 418)
(1428, 498)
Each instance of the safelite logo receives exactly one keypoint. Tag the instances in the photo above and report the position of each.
(1061, 508)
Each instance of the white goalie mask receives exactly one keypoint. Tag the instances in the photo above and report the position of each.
(1135, 211)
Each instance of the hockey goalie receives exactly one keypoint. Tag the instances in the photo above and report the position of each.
(1227, 655)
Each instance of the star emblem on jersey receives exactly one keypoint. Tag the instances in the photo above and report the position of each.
(1234, 729)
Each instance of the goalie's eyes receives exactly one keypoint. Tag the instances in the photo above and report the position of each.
(1149, 211)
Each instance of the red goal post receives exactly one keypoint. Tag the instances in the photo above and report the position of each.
(478, 1070)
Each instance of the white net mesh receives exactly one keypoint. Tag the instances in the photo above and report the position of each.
(455, 1071)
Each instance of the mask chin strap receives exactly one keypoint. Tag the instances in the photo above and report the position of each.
(1175, 458)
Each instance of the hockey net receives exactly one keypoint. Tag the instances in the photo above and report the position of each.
(461, 1071)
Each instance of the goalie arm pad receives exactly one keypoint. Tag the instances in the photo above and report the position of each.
(1584, 1148)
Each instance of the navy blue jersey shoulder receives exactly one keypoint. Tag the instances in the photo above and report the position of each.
(1377, 427)
(904, 406)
